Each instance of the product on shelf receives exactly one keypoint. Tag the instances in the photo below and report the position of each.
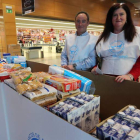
(43, 96)
(63, 83)
(62, 95)
(85, 82)
(25, 80)
(124, 125)
(81, 110)
(41, 76)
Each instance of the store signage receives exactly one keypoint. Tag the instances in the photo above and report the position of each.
(27, 6)
(8, 9)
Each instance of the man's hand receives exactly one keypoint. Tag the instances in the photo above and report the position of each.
(94, 71)
(70, 67)
(65, 66)
(122, 78)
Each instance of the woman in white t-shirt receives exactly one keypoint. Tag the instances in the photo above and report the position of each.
(118, 46)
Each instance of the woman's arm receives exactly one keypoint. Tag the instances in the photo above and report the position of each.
(132, 75)
(135, 71)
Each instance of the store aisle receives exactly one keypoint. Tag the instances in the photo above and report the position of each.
(49, 58)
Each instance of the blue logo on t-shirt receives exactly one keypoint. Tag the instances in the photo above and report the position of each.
(116, 48)
(73, 52)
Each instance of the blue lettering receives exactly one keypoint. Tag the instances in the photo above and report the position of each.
(83, 115)
(71, 120)
(77, 119)
(88, 112)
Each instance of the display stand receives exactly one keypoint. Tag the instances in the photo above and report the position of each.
(25, 119)
(114, 96)
(31, 52)
(21, 118)
(4, 131)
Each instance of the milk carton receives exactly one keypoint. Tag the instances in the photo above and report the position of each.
(95, 109)
(117, 119)
(103, 129)
(136, 113)
(113, 129)
(133, 134)
(129, 110)
(64, 113)
(74, 117)
(121, 133)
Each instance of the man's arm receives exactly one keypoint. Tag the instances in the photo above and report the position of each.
(87, 62)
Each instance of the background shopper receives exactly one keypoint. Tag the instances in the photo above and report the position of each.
(79, 50)
(119, 45)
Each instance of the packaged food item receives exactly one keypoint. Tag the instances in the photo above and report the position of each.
(122, 132)
(45, 92)
(63, 95)
(132, 134)
(41, 76)
(21, 88)
(63, 83)
(85, 82)
(43, 96)
(83, 115)
(46, 101)
(125, 127)
(16, 80)
(12, 66)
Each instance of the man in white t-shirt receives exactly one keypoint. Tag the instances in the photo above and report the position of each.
(79, 50)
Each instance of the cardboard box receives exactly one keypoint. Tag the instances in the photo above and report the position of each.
(37, 122)
(16, 53)
(14, 49)
(86, 117)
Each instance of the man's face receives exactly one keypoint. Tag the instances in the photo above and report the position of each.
(81, 23)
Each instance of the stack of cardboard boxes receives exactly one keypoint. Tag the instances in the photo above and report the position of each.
(14, 49)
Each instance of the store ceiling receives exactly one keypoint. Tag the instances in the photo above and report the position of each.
(135, 2)
(39, 23)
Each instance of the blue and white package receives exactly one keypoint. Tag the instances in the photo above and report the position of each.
(121, 133)
(85, 82)
(74, 117)
(2, 61)
(114, 129)
(23, 64)
(132, 134)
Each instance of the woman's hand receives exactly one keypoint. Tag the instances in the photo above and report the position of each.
(122, 78)
(94, 71)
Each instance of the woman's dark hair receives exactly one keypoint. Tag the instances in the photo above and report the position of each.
(82, 12)
(129, 29)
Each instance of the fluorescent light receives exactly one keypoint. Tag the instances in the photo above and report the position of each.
(60, 22)
(45, 21)
(42, 25)
(41, 28)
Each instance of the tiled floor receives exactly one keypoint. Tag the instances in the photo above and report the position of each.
(50, 59)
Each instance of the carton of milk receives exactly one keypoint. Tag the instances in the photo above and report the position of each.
(74, 117)
(86, 117)
(95, 111)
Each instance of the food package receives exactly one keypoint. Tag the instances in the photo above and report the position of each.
(25, 80)
(85, 82)
(43, 96)
(12, 66)
(41, 76)
(63, 95)
(63, 83)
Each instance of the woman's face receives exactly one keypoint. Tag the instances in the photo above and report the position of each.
(119, 19)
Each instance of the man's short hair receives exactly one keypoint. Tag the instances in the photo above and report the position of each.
(82, 12)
